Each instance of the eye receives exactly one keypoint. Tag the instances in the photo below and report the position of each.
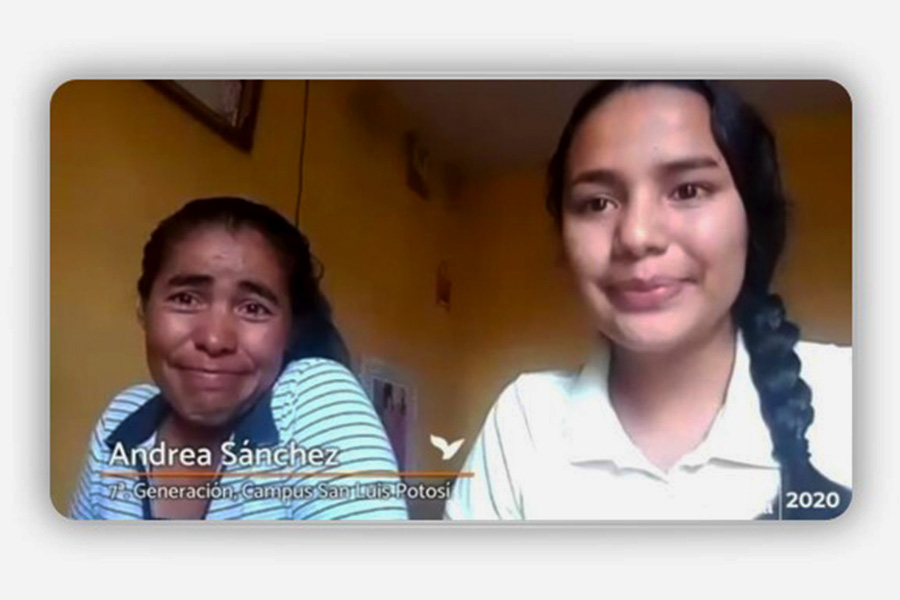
(183, 299)
(592, 204)
(688, 191)
(598, 204)
(255, 310)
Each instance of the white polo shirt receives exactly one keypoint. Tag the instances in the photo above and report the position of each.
(553, 448)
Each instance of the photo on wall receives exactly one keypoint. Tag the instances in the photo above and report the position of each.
(394, 397)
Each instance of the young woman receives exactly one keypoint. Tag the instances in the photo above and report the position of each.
(669, 203)
(251, 397)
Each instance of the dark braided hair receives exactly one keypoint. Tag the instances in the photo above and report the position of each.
(749, 149)
(314, 333)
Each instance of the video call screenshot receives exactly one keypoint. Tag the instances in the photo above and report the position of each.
(445, 300)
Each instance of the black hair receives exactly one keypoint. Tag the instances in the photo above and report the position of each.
(314, 333)
(749, 149)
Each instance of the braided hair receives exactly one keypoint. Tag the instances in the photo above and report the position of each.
(314, 333)
(785, 399)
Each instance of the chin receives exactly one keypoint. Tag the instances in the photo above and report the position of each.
(211, 418)
(208, 410)
(648, 333)
(207, 418)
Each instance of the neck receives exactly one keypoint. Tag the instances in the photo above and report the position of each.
(177, 432)
(686, 384)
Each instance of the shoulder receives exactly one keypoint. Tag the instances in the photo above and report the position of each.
(309, 378)
(89, 499)
(538, 392)
(532, 404)
(519, 424)
(316, 392)
(122, 405)
(828, 370)
(829, 363)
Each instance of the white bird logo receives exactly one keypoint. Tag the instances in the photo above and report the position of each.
(448, 450)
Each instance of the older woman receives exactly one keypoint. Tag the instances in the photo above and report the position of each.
(252, 413)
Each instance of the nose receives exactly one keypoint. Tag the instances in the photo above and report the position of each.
(216, 333)
(641, 229)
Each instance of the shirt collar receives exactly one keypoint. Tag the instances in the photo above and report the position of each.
(593, 431)
(257, 426)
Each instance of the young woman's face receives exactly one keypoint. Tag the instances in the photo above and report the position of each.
(217, 323)
(653, 225)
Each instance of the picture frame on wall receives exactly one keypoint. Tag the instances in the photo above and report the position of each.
(394, 396)
(227, 106)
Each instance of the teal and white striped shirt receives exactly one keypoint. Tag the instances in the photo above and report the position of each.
(316, 403)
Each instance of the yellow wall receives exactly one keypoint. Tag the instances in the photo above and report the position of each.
(817, 278)
(516, 307)
(381, 245)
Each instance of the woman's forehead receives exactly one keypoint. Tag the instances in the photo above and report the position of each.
(221, 251)
(638, 128)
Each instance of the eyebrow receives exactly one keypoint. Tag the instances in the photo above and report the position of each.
(687, 164)
(602, 176)
(666, 169)
(189, 280)
(205, 281)
(260, 290)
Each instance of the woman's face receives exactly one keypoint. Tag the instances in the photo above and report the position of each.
(653, 225)
(217, 323)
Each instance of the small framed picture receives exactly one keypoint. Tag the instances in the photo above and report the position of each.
(227, 106)
(394, 395)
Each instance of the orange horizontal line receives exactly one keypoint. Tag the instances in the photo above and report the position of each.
(186, 474)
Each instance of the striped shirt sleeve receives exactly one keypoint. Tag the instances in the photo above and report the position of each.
(322, 405)
(84, 502)
(92, 499)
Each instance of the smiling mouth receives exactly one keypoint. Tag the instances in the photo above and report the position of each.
(211, 371)
(644, 295)
(209, 378)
